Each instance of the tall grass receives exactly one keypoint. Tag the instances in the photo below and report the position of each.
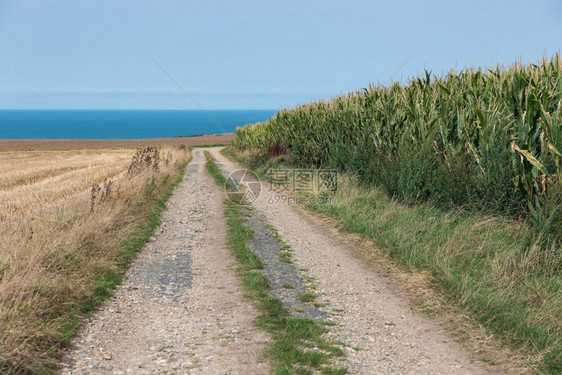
(488, 139)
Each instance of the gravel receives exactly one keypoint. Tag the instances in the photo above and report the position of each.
(280, 274)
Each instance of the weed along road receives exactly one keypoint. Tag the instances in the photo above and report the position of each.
(227, 289)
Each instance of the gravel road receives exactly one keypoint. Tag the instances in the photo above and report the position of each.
(180, 309)
(381, 333)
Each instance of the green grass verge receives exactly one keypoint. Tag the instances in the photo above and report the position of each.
(489, 266)
(297, 346)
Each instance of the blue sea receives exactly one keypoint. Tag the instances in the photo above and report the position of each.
(122, 124)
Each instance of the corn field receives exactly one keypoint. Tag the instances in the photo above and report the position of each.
(486, 138)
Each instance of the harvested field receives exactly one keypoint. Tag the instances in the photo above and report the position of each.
(81, 144)
(70, 221)
(36, 179)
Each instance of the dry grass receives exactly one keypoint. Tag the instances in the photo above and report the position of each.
(59, 237)
(35, 180)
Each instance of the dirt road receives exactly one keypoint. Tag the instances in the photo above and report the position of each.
(381, 333)
(181, 309)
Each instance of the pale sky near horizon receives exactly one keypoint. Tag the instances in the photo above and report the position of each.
(249, 53)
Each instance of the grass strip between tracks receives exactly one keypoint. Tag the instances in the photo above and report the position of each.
(298, 346)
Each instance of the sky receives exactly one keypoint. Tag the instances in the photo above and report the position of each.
(250, 54)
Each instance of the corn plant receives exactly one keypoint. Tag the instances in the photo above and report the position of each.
(500, 121)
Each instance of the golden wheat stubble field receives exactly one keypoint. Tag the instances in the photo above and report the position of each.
(63, 218)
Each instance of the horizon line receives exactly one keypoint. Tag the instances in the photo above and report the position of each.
(168, 92)
(138, 109)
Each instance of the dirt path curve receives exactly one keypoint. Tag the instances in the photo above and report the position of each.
(381, 333)
(181, 309)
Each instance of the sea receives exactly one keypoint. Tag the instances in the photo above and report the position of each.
(123, 124)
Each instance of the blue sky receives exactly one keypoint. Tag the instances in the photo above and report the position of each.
(250, 54)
